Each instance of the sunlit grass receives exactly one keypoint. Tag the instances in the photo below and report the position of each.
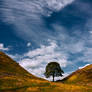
(14, 78)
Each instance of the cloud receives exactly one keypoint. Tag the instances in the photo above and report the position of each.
(84, 66)
(33, 8)
(90, 32)
(28, 44)
(35, 61)
(3, 48)
(15, 57)
(27, 17)
(86, 56)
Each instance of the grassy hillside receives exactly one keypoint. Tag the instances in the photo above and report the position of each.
(9, 67)
(12, 75)
(13, 78)
(82, 76)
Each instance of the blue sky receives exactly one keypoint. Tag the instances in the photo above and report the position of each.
(35, 32)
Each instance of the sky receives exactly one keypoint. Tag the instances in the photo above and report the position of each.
(36, 32)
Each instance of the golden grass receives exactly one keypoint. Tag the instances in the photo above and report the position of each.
(32, 85)
(80, 77)
(14, 78)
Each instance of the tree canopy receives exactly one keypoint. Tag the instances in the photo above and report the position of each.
(53, 69)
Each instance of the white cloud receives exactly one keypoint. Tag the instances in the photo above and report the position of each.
(76, 47)
(70, 44)
(58, 4)
(35, 61)
(90, 32)
(27, 16)
(84, 66)
(15, 57)
(33, 8)
(87, 55)
(3, 48)
(28, 44)
(12, 56)
(42, 51)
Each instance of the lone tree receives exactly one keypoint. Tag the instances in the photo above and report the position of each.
(53, 69)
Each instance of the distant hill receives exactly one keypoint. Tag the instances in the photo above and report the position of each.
(14, 78)
(82, 76)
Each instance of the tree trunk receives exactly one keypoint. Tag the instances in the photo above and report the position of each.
(53, 77)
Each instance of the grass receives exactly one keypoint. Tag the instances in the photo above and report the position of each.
(80, 77)
(45, 86)
(13, 78)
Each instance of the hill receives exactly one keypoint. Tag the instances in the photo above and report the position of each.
(9, 67)
(82, 76)
(14, 78)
